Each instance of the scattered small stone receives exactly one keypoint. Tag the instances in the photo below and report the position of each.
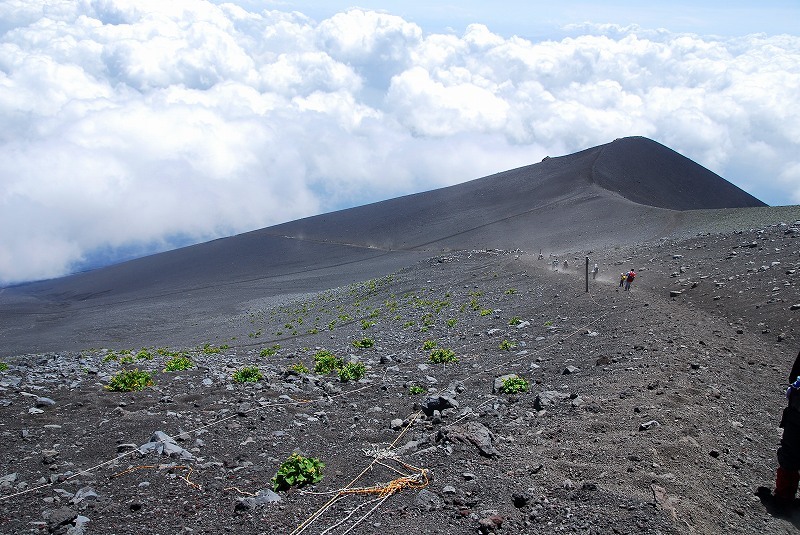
(42, 402)
(164, 444)
(490, 524)
(646, 426)
(548, 398)
(428, 501)
(84, 494)
(474, 433)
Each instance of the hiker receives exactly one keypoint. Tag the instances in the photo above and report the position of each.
(595, 269)
(788, 474)
(555, 264)
(566, 266)
(622, 277)
(629, 279)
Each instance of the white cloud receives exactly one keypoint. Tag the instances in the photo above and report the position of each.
(125, 123)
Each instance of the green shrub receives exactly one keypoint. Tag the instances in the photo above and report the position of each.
(366, 324)
(486, 311)
(298, 368)
(441, 356)
(297, 471)
(364, 343)
(129, 381)
(452, 322)
(352, 371)
(209, 349)
(3, 366)
(144, 354)
(429, 344)
(326, 362)
(415, 390)
(247, 375)
(548, 323)
(505, 345)
(514, 385)
(270, 351)
(511, 291)
(178, 363)
(516, 320)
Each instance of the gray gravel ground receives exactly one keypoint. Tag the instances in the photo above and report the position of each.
(646, 413)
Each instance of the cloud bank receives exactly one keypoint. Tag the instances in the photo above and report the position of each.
(139, 125)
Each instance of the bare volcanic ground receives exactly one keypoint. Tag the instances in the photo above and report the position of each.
(646, 413)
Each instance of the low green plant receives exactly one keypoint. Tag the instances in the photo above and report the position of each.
(429, 344)
(514, 385)
(352, 371)
(441, 356)
(408, 324)
(452, 322)
(548, 323)
(505, 345)
(326, 362)
(511, 291)
(364, 343)
(516, 320)
(297, 471)
(415, 390)
(247, 375)
(298, 368)
(144, 354)
(270, 351)
(3, 366)
(486, 311)
(178, 363)
(209, 349)
(129, 381)
(366, 324)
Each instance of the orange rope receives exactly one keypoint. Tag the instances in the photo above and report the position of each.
(162, 467)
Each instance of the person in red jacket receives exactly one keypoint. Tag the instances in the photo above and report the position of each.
(629, 279)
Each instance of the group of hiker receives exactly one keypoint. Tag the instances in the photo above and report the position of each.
(625, 279)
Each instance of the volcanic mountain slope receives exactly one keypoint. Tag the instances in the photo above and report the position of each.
(627, 191)
(649, 411)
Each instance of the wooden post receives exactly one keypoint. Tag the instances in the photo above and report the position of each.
(587, 274)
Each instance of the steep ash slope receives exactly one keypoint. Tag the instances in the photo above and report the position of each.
(649, 173)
